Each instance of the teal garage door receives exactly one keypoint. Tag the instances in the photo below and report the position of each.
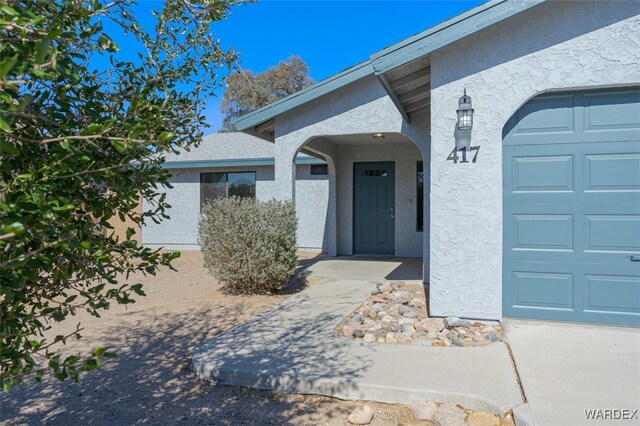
(571, 216)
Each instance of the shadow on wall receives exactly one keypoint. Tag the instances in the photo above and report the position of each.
(526, 39)
(543, 102)
(151, 382)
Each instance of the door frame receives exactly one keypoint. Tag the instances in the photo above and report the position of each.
(353, 208)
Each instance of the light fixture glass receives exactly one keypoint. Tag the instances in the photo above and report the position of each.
(378, 135)
(465, 112)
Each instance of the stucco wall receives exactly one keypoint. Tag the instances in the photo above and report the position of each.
(312, 202)
(556, 45)
(181, 230)
(408, 241)
(360, 108)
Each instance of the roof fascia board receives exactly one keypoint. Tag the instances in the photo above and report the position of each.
(310, 159)
(240, 162)
(449, 31)
(268, 112)
(394, 56)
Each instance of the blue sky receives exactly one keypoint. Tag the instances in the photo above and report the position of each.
(329, 35)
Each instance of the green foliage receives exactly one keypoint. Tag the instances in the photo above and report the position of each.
(81, 144)
(247, 91)
(249, 246)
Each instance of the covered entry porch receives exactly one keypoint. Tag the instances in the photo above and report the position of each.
(377, 204)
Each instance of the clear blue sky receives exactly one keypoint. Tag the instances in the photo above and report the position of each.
(329, 35)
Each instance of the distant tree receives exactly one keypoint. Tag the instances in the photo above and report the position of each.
(247, 91)
(81, 141)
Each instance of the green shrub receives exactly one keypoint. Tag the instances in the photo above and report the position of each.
(249, 246)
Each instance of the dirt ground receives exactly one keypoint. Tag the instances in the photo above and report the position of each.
(151, 382)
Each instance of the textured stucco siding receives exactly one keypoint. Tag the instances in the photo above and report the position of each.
(312, 203)
(554, 46)
(408, 241)
(181, 230)
(360, 108)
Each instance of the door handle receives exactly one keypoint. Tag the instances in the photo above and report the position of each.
(634, 258)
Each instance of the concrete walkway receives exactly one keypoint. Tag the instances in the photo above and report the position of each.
(292, 347)
(566, 369)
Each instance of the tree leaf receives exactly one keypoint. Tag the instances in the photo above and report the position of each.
(6, 147)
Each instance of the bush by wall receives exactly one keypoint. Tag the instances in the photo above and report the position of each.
(248, 245)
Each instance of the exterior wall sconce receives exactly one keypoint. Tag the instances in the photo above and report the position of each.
(462, 132)
(465, 112)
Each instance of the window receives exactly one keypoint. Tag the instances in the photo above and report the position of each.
(219, 185)
(319, 169)
(375, 173)
(420, 196)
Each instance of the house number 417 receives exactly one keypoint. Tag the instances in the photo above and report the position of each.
(454, 154)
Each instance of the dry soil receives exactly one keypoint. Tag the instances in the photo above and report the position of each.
(151, 382)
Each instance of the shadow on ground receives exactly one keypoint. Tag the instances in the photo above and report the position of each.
(151, 382)
(283, 348)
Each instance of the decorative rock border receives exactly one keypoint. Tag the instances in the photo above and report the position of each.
(396, 313)
(439, 413)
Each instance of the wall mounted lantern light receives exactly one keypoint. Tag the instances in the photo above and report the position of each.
(462, 131)
(465, 112)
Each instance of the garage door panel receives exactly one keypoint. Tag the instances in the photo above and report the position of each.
(543, 290)
(539, 290)
(571, 212)
(573, 292)
(543, 173)
(611, 293)
(612, 233)
(612, 172)
(612, 111)
(573, 173)
(535, 175)
(541, 232)
(551, 114)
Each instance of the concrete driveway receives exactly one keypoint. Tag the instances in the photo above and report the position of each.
(566, 369)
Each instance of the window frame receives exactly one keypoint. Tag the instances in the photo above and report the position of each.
(226, 183)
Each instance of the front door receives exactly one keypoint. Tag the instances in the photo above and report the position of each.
(374, 205)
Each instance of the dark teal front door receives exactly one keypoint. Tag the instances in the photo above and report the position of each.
(572, 208)
(374, 208)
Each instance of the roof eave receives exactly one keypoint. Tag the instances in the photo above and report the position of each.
(393, 57)
(447, 32)
(325, 86)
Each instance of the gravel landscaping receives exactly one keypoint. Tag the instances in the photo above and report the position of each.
(396, 313)
(431, 413)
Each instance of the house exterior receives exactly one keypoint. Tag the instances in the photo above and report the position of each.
(222, 162)
(531, 210)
